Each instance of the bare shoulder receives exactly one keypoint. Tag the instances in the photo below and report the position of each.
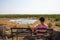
(46, 25)
(37, 25)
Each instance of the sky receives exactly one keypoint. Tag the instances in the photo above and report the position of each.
(29, 6)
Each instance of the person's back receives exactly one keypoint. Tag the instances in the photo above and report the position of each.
(41, 25)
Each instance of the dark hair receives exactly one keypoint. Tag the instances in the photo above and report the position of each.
(42, 19)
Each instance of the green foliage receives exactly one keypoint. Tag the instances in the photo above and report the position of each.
(26, 15)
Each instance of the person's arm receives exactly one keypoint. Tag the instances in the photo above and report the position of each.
(47, 26)
(36, 26)
(32, 27)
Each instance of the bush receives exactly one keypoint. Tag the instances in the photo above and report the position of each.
(57, 19)
(49, 25)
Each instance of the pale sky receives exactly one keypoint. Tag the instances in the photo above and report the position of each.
(29, 6)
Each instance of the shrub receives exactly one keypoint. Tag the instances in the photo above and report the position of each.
(57, 19)
(49, 25)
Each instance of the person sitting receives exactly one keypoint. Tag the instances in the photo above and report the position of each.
(41, 25)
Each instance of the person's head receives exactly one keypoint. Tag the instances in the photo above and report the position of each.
(41, 19)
